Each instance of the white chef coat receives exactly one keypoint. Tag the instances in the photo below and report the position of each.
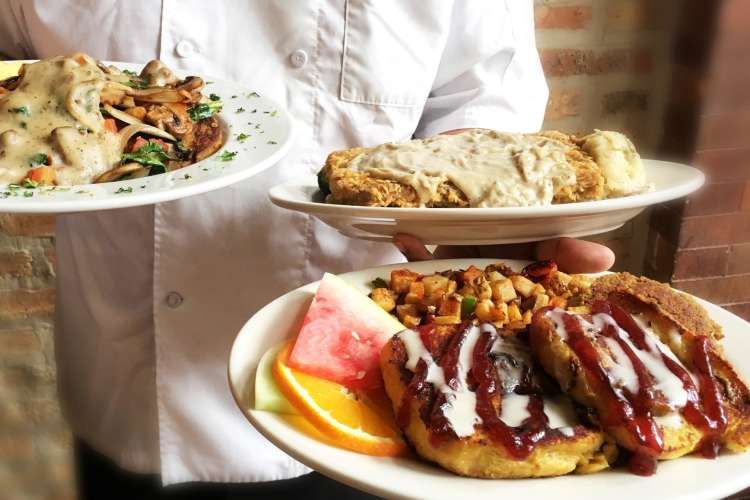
(150, 299)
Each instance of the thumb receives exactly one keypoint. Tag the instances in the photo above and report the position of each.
(412, 248)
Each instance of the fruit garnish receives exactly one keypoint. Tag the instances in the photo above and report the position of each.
(361, 421)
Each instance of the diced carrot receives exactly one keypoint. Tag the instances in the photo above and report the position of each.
(43, 175)
(81, 60)
(140, 142)
(110, 125)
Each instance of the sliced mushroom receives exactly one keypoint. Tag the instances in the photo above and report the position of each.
(157, 74)
(119, 171)
(191, 84)
(114, 93)
(172, 117)
(159, 95)
(128, 132)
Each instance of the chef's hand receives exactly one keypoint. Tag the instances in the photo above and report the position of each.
(572, 256)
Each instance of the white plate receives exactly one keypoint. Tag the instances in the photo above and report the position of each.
(687, 478)
(480, 226)
(270, 130)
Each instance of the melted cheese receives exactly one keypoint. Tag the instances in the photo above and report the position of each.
(55, 111)
(493, 169)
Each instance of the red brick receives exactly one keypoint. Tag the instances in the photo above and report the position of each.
(24, 303)
(714, 230)
(724, 130)
(722, 290)
(739, 259)
(701, 263)
(624, 101)
(22, 341)
(724, 164)
(743, 311)
(16, 446)
(563, 103)
(15, 263)
(718, 198)
(567, 62)
(571, 17)
(746, 196)
(27, 225)
(632, 14)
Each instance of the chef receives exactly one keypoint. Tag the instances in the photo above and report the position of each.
(150, 299)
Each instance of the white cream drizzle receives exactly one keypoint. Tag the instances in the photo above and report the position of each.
(618, 366)
(460, 407)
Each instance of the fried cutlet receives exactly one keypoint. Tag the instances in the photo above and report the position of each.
(469, 398)
(378, 185)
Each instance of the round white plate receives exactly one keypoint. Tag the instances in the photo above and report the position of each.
(687, 478)
(482, 226)
(270, 132)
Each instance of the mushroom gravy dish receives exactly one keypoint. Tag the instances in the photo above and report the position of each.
(480, 168)
(71, 120)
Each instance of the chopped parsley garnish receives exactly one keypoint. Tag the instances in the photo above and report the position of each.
(272, 142)
(187, 176)
(379, 283)
(130, 73)
(240, 110)
(28, 194)
(39, 159)
(30, 183)
(214, 97)
(128, 189)
(204, 110)
(136, 84)
(242, 137)
(274, 113)
(253, 94)
(234, 97)
(150, 155)
(23, 110)
(228, 155)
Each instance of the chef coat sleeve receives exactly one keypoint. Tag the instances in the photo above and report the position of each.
(490, 75)
(12, 45)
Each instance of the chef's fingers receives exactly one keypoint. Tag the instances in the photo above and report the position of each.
(412, 248)
(576, 256)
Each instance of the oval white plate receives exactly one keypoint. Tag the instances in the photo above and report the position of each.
(482, 226)
(406, 477)
(270, 132)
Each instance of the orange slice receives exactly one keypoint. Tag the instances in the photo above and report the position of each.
(356, 420)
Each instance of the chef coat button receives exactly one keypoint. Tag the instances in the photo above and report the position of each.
(298, 58)
(174, 300)
(185, 48)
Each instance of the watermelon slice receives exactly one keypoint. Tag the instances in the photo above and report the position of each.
(342, 335)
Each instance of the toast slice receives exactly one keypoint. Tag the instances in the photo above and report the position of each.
(470, 398)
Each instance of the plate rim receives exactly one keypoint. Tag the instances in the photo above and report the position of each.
(735, 484)
(690, 185)
(109, 201)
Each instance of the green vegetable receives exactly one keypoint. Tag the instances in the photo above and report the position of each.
(156, 170)
(379, 283)
(214, 97)
(204, 110)
(242, 137)
(151, 155)
(136, 84)
(468, 304)
(39, 159)
(23, 110)
(228, 155)
(323, 185)
(30, 184)
(128, 189)
(130, 73)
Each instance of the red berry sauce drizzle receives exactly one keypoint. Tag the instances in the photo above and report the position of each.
(484, 378)
(703, 408)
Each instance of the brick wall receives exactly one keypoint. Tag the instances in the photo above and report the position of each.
(607, 63)
(34, 441)
(608, 66)
(703, 245)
